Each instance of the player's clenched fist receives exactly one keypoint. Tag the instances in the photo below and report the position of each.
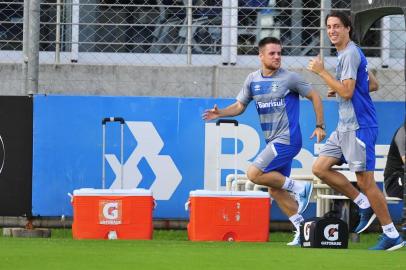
(316, 65)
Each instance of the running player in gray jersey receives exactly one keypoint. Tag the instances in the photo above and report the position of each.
(354, 139)
(276, 92)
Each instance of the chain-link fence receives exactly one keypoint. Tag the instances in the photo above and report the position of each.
(194, 32)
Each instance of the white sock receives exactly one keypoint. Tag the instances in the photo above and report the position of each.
(296, 220)
(362, 201)
(292, 185)
(390, 231)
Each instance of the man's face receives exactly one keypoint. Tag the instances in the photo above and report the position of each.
(337, 32)
(270, 56)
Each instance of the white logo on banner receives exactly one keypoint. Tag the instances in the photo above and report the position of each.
(331, 232)
(149, 144)
(250, 140)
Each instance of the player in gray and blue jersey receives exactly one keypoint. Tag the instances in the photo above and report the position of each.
(276, 94)
(354, 139)
(359, 111)
(274, 97)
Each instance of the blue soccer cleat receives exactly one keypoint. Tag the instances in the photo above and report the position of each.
(386, 243)
(303, 197)
(296, 240)
(367, 216)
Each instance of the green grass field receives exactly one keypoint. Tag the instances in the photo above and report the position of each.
(172, 250)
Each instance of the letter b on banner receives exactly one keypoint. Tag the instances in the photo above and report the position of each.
(249, 138)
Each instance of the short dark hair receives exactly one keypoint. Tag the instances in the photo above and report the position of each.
(344, 18)
(268, 40)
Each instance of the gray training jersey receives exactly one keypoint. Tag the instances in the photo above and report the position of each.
(277, 102)
(359, 111)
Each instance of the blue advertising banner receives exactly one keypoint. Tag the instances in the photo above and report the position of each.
(168, 148)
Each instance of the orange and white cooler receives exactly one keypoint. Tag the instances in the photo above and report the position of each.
(112, 214)
(229, 216)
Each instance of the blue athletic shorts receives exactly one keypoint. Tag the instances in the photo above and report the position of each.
(277, 157)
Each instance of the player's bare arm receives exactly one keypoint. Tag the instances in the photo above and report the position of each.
(345, 88)
(319, 132)
(234, 109)
(373, 82)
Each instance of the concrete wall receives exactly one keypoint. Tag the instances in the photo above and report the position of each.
(183, 81)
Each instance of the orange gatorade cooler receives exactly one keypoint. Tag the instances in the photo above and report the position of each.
(112, 214)
(229, 216)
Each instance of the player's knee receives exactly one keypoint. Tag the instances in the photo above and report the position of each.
(251, 176)
(365, 186)
(253, 173)
(276, 192)
(317, 170)
(365, 183)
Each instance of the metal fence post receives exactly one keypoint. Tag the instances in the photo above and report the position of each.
(229, 33)
(189, 32)
(325, 7)
(233, 32)
(33, 52)
(385, 41)
(25, 46)
(225, 32)
(58, 32)
(75, 31)
(296, 31)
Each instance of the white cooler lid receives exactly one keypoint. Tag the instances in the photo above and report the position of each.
(213, 193)
(112, 192)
